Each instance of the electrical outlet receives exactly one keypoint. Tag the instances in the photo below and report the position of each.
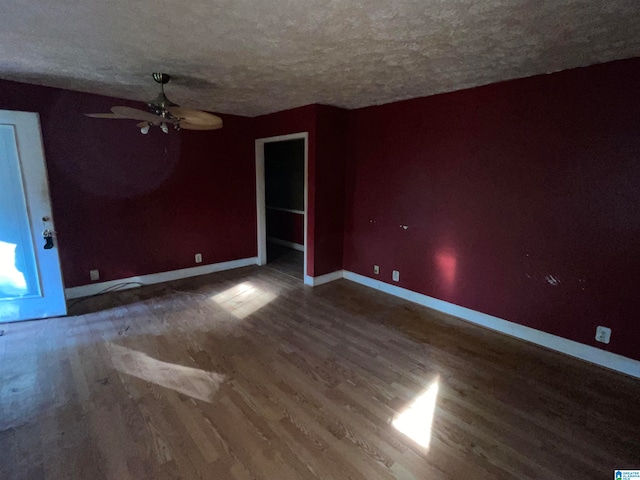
(376, 269)
(94, 275)
(395, 276)
(198, 258)
(603, 334)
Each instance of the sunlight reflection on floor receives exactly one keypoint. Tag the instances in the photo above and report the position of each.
(243, 299)
(417, 419)
(189, 381)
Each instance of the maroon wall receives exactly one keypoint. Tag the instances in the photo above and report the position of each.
(331, 138)
(287, 226)
(522, 200)
(129, 204)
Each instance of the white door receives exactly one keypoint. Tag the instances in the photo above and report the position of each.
(30, 277)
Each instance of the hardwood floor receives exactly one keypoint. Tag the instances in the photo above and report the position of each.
(285, 260)
(249, 374)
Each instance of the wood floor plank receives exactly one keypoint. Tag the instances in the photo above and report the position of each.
(249, 374)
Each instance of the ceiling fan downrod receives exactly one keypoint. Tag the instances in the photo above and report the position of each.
(161, 103)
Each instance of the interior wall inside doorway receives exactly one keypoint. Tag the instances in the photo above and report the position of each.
(284, 191)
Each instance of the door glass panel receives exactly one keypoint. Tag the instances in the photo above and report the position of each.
(18, 271)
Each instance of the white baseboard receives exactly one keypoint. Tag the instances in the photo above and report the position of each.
(322, 279)
(284, 243)
(569, 347)
(95, 288)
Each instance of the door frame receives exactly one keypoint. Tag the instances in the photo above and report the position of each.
(261, 201)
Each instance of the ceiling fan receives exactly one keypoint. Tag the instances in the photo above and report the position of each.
(163, 112)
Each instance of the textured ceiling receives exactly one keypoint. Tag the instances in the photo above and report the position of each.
(254, 57)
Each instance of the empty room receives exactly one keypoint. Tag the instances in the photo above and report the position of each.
(320, 240)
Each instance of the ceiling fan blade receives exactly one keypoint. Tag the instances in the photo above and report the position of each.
(136, 114)
(104, 115)
(142, 124)
(190, 126)
(190, 119)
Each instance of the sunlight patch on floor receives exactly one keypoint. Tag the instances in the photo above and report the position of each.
(189, 381)
(244, 299)
(416, 420)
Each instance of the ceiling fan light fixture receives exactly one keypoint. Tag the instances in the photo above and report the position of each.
(164, 128)
(144, 130)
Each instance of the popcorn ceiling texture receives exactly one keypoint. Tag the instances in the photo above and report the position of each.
(254, 57)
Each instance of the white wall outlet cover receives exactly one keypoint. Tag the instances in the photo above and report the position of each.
(603, 334)
(395, 276)
(94, 274)
(376, 269)
(198, 258)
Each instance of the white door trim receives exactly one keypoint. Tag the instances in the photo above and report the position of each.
(260, 196)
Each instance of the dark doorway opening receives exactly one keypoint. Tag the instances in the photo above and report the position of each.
(284, 198)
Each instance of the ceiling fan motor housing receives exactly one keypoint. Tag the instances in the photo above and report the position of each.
(161, 102)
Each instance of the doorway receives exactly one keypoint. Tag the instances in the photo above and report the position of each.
(30, 278)
(281, 179)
